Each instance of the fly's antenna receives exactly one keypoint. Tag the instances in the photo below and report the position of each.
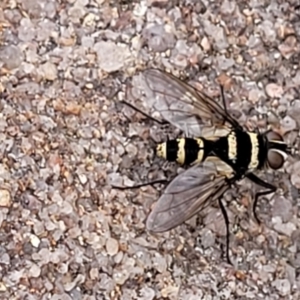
(292, 147)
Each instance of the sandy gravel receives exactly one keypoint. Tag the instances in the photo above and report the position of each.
(65, 138)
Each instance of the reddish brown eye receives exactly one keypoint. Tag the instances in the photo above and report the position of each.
(275, 159)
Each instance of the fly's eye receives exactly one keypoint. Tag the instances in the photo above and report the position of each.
(275, 159)
(273, 136)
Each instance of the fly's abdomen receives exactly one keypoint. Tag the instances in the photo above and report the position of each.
(184, 151)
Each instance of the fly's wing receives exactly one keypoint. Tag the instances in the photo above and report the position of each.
(181, 104)
(214, 132)
(190, 192)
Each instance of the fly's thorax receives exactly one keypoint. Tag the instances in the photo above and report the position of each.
(247, 149)
(256, 148)
(277, 150)
(241, 150)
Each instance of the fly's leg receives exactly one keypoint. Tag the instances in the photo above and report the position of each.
(224, 212)
(270, 189)
(225, 215)
(230, 182)
(140, 185)
(223, 99)
(160, 123)
(228, 117)
(143, 113)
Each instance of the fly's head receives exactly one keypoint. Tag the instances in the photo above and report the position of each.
(278, 150)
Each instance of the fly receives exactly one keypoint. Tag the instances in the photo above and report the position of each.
(220, 153)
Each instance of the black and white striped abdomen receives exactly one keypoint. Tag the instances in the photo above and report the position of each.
(184, 151)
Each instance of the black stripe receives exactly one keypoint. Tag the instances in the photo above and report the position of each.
(172, 150)
(221, 148)
(244, 150)
(191, 149)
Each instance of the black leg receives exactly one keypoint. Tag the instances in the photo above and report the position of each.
(270, 189)
(227, 229)
(224, 213)
(143, 113)
(223, 99)
(228, 116)
(140, 185)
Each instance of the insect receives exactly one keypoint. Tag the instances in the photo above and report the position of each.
(220, 153)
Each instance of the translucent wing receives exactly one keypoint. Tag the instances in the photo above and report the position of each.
(190, 192)
(181, 104)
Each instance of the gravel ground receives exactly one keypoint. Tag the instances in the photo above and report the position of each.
(64, 138)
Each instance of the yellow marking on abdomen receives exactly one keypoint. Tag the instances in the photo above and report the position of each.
(161, 150)
(200, 152)
(254, 162)
(232, 146)
(181, 151)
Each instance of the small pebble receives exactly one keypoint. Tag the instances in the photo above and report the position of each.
(5, 199)
(112, 246)
(65, 140)
(274, 90)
